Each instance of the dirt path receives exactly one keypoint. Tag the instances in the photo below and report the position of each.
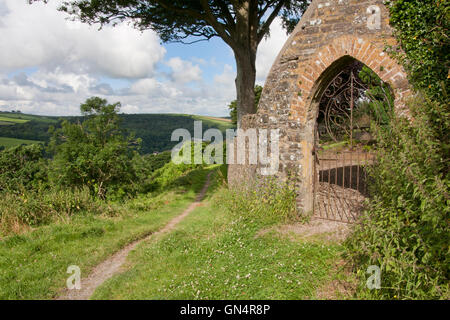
(111, 266)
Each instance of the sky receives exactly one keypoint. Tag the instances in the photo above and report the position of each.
(49, 65)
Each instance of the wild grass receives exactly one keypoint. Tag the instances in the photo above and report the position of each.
(33, 263)
(20, 212)
(217, 253)
(267, 201)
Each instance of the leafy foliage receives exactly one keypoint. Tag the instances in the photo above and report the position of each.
(94, 153)
(22, 167)
(381, 98)
(146, 167)
(233, 105)
(422, 28)
(405, 229)
(180, 20)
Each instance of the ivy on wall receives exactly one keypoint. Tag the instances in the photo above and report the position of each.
(422, 29)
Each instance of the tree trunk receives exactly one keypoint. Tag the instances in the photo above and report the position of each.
(245, 53)
(245, 83)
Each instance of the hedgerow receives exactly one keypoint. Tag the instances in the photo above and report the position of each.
(405, 230)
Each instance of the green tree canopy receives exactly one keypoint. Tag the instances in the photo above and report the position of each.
(22, 167)
(95, 152)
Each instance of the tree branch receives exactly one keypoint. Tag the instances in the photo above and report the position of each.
(220, 28)
(226, 12)
(264, 10)
(266, 26)
(195, 14)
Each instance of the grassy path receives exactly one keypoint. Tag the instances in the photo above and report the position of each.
(209, 253)
(34, 265)
(212, 255)
(111, 266)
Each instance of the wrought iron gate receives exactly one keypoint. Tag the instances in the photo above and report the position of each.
(341, 184)
(340, 178)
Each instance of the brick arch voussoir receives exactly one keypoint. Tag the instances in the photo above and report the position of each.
(359, 48)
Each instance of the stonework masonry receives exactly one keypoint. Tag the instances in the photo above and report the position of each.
(331, 33)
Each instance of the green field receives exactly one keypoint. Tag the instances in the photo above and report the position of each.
(220, 124)
(11, 142)
(22, 118)
(12, 120)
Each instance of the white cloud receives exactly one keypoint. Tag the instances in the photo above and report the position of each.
(128, 108)
(39, 35)
(184, 71)
(269, 49)
(228, 76)
(58, 78)
(144, 86)
(57, 64)
(8, 92)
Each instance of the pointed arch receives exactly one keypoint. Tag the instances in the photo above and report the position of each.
(329, 33)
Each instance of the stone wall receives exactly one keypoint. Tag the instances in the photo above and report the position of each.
(330, 33)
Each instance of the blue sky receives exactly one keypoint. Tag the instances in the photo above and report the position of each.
(49, 65)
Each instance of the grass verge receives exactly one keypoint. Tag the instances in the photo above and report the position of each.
(214, 254)
(33, 265)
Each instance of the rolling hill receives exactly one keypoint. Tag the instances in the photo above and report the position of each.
(155, 130)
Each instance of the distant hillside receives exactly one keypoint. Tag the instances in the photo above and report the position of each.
(155, 130)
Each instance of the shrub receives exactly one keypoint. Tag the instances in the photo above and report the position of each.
(34, 208)
(173, 175)
(421, 28)
(94, 153)
(22, 167)
(405, 230)
(145, 167)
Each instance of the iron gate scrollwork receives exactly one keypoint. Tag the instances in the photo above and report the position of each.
(340, 183)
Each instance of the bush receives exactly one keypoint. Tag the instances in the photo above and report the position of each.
(421, 28)
(34, 208)
(405, 230)
(173, 176)
(94, 153)
(145, 167)
(22, 167)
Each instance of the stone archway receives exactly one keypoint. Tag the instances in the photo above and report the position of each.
(330, 32)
